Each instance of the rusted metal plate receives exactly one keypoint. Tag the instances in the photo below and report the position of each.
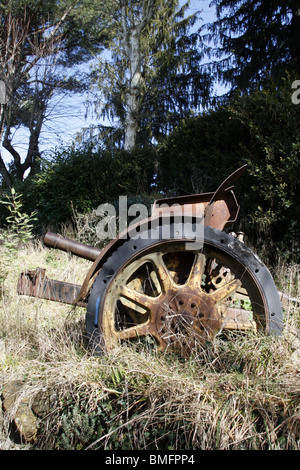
(36, 284)
(227, 183)
(217, 214)
(238, 319)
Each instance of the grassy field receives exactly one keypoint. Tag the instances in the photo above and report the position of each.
(239, 393)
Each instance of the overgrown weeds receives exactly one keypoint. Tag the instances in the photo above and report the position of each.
(241, 392)
(18, 230)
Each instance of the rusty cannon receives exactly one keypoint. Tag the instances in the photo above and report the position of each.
(157, 282)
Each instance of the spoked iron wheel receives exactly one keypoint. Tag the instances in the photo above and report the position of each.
(157, 290)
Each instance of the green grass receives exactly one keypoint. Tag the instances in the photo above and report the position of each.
(241, 392)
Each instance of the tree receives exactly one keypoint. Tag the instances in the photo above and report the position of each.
(38, 42)
(272, 152)
(153, 76)
(256, 40)
(26, 40)
(261, 129)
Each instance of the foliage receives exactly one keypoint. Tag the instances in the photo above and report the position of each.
(256, 41)
(272, 121)
(199, 153)
(85, 29)
(153, 74)
(260, 129)
(39, 43)
(18, 231)
(81, 179)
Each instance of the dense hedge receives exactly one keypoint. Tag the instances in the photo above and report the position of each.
(83, 178)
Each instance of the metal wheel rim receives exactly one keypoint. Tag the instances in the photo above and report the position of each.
(248, 272)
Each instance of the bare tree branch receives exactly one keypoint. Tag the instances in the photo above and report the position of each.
(22, 47)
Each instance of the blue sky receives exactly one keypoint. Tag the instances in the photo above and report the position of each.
(67, 116)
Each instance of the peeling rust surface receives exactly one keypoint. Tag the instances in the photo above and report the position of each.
(36, 284)
(217, 213)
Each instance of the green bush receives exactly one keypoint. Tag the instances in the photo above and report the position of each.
(81, 179)
(271, 191)
(200, 153)
(262, 130)
(18, 230)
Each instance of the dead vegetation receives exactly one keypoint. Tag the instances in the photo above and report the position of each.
(241, 392)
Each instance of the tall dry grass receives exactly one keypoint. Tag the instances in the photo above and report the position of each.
(238, 393)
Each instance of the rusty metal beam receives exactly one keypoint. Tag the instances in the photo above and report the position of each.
(36, 284)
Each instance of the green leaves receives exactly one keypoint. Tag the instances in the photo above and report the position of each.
(261, 129)
(165, 66)
(18, 231)
(20, 224)
(256, 40)
(81, 179)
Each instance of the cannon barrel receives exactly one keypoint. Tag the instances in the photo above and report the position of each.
(54, 240)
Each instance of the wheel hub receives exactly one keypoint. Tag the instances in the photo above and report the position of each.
(183, 317)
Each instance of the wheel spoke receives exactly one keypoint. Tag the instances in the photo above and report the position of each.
(225, 291)
(137, 298)
(195, 277)
(136, 331)
(163, 274)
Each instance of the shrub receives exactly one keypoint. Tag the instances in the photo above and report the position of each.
(18, 231)
(81, 179)
(262, 130)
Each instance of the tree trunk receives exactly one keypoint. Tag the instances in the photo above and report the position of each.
(132, 27)
(7, 179)
(132, 97)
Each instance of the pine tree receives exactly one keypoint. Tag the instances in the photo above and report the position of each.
(153, 76)
(256, 40)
